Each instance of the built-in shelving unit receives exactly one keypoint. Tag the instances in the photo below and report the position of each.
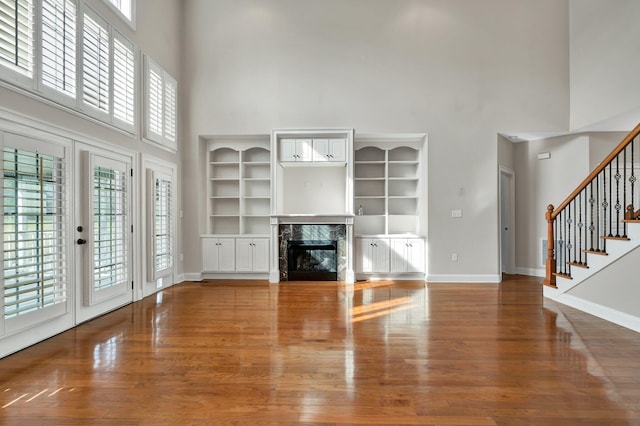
(387, 189)
(239, 187)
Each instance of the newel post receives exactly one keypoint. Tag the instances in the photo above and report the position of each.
(550, 278)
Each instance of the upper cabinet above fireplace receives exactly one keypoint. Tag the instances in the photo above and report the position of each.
(317, 151)
(298, 187)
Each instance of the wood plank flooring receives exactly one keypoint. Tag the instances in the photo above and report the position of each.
(220, 352)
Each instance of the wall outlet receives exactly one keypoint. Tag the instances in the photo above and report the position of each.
(456, 213)
(454, 257)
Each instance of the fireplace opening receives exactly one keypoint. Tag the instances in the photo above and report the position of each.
(312, 260)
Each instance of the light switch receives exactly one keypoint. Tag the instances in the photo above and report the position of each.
(456, 213)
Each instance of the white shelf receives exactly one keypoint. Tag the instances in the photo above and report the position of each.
(386, 186)
(239, 189)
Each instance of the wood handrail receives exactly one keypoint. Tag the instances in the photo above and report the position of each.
(621, 146)
(552, 213)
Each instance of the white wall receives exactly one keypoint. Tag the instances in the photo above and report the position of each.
(313, 190)
(460, 71)
(543, 182)
(605, 63)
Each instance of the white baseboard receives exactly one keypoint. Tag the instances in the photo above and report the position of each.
(179, 278)
(191, 276)
(234, 276)
(604, 312)
(533, 272)
(471, 278)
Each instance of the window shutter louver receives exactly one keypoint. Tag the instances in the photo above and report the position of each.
(95, 65)
(16, 35)
(155, 102)
(59, 46)
(170, 109)
(123, 81)
(163, 232)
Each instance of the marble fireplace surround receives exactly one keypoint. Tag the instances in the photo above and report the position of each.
(311, 227)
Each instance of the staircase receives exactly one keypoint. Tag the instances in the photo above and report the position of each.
(597, 224)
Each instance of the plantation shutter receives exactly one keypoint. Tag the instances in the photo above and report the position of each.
(34, 268)
(59, 45)
(16, 35)
(155, 102)
(95, 73)
(170, 100)
(123, 81)
(163, 219)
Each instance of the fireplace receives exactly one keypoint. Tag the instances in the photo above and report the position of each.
(312, 260)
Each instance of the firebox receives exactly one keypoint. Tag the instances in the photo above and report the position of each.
(312, 260)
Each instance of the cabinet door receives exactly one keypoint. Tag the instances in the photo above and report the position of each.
(209, 254)
(407, 255)
(261, 255)
(373, 255)
(399, 255)
(337, 150)
(226, 255)
(415, 255)
(288, 150)
(321, 150)
(304, 150)
(244, 255)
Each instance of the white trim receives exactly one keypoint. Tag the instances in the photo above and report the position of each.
(533, 272)
(178, 279)
(191, 276)
(600, 311)
(470, 278)
(130, 22)
(233, 276)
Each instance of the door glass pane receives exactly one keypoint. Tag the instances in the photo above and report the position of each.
(34, 232)
(109, 228)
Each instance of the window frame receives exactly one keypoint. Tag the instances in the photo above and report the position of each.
(9, 72)
(164, 138)
(131, 22)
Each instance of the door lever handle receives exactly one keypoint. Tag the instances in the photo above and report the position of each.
(81, 241)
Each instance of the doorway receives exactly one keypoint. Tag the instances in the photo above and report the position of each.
(102, 231)
(507, 220)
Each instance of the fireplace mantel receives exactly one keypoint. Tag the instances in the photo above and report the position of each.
(277, 219)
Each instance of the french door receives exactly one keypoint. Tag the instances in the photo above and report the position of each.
(103, 232)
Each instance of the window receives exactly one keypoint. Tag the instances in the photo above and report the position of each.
(16, 36)
(161, 227)
(123, 81)
(110, 207)
(59, 46)
(79, 60)
(95, 65)
(34, 234)
(126, 8)
(160, 101)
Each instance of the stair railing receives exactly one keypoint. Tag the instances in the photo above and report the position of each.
(595, 211)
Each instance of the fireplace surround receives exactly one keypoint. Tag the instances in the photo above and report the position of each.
(312, 234)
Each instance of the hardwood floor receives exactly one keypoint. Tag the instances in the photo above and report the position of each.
(318, 353)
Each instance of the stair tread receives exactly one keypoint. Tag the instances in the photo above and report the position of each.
(578, 265)
(600, 253)
(631, 221)
(607, 237)
(560, 274)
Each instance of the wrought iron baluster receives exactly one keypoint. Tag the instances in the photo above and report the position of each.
(624, 192)
(580, 224)
(617, 206)
(591, 225)
(610, 201)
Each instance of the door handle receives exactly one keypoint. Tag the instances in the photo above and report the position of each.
(81, 241)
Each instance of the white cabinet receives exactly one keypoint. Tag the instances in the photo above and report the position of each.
(296, 149)
(333, 150)
(313, 150)
(373, 255)
(407, 255)
(218, 254)
(252, 255)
